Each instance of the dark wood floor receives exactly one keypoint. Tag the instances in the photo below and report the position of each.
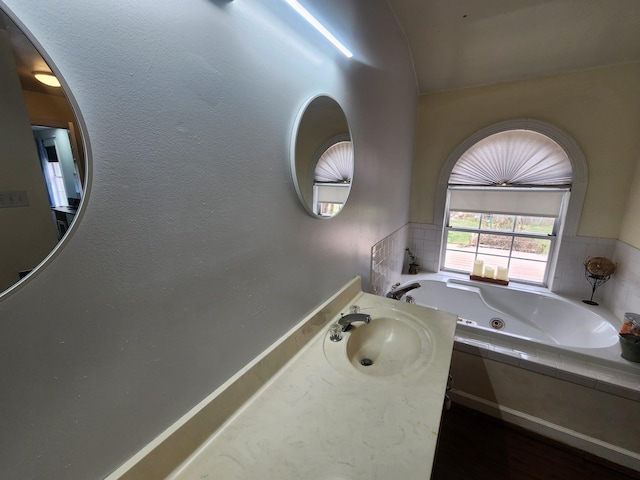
(474, 446)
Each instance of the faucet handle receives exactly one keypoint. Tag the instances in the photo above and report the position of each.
(355, 309)
(335, 333)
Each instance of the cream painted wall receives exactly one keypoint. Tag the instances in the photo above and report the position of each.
(192, 253)
(630, 229)
(599, 108)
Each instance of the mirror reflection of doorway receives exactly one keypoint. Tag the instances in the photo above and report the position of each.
(61, 175)
(34, 218)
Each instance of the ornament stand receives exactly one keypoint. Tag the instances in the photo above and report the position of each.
(595, 281)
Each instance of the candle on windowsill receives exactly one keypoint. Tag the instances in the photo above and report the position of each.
(502, 273)
(488, 272)
(477, 268)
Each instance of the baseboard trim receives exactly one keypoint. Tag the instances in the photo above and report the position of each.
(574, 439)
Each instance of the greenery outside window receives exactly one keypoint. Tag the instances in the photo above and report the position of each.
(512, 227)
(522, 244)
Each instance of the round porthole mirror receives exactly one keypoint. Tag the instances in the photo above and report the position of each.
(322, 157)
(43, 166)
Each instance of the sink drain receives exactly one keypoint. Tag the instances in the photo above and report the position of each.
(366, 362)
(497, 323)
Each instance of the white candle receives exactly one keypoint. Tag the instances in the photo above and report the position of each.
(477, 268)
(488, 272)
(501, 274)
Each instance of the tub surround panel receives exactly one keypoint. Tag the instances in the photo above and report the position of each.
(566, 436)
(616, 376)
(587, 411)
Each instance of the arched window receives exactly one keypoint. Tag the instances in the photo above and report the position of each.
(507, 199)
(332, 176)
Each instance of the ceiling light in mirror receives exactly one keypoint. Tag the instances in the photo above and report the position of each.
(44, 166)
(47, 78)
(322, 157)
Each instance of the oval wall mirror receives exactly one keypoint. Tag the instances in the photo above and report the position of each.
(43, 162)
(322, 157)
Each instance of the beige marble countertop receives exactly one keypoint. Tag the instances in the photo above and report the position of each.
(311, 421)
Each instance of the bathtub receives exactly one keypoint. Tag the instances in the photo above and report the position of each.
(506, 372)
(524, 318)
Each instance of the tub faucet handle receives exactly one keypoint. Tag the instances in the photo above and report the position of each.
(397, 292)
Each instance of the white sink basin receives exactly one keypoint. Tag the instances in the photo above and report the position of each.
(393, 344)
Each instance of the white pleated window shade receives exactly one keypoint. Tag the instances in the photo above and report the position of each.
(506, 201)
(514, 157)
(335, 165)
(332, 193)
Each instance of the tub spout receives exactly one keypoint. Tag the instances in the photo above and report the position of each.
(397, 293)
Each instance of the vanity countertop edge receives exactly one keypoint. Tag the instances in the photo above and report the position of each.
(308, 420)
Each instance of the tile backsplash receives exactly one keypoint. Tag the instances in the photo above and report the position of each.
(388, 260)
(621, 294)
(569, 278)
(424, 241)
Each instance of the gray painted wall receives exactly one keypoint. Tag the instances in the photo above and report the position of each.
(193, 253)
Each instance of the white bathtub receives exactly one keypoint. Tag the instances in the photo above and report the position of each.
(544, 335)
(531, 317)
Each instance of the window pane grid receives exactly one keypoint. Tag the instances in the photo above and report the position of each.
(520, 243)
(497, 232)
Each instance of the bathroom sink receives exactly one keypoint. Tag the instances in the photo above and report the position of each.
(392, 344)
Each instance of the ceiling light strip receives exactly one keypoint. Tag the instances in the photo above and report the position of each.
(318, 26)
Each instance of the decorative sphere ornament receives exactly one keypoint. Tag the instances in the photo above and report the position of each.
(599, 267)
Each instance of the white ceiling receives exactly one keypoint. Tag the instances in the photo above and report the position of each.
(464, 43)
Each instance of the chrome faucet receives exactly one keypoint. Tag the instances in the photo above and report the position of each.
(346, 320)
(397, 293)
